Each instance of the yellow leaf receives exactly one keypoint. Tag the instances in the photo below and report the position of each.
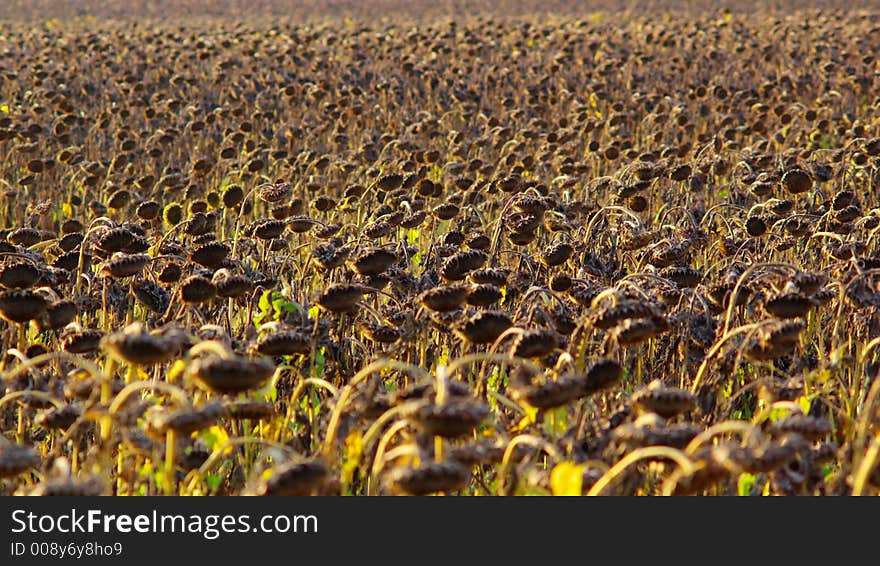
(176, 370)
(804, 404)
(354, 449)
(567, 478)
(4, 108)
(314, 311)
(216, 437)
(530, 418)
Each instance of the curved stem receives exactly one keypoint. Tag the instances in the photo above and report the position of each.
(92, 369)
(178, 394)
(635, 456)
(866, 467)
(379, 456)
(231, 443)
(348, 391)
(528, 440)
(734, 295)
(212, 346)
(698, 380)
(39, 395)
(748, 431)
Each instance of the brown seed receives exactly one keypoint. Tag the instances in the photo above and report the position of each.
(21, 305)
(563, 322)
(82, 342)
(114, 240)
(536, 343)
(811, 428)
(233, 195)
(171, 273)
(489, 276)
(452, 419)
(789, 305)
(268, 228)
(427, 478)
(639, 433)
(550, 393)
(26, 237)
(341, 297)
(230, 375)
(15, 459)
(122, 265)
(484, 296)
(560, 282)
(273, 193)
(611, 316)
(376, 229)
(19, 275)
(197, 289)
(119, 199)
(413, 220)
(58, 417)
(484, 327)
(300, 224)
(185, 421)
(557, 254)
(250, 410)
(634, 331)
(211, 254)
(444, 298)
(772, 456)
(755, 226)
(446, 211)
(283, 343)
(390, 182)
(797, 181)
(381, 333)
(71, 241)
(759, 350)
(842, 199)
(136, 346)
(91, 486)
(665, 401)
(482, 453)
(148, 210)
(602, 374)
(680, 173)
(457, 266)
(58, 315)
(683, 276)
(293, 479)
(373, 261)
(847, 214)
(231, 285)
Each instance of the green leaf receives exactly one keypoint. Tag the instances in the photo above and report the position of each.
(567, 479)
(280, 304)
(213, 481)
(745, 484)
(265, 301)
(319, 362)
